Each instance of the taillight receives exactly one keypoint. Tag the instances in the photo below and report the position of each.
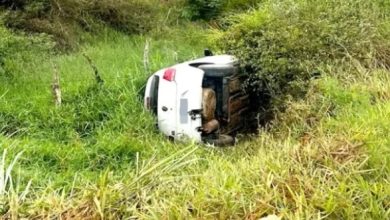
(169, 74)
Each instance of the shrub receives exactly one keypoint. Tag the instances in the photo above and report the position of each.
(15, 48)
(240, 4)
(131, 16)
(210, 9)
(281, 44)
(66, 18)
(205, 9)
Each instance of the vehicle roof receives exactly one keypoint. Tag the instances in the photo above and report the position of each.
(219, 59)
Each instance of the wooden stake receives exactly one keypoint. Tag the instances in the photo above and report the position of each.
(56, 88)
(146, 56)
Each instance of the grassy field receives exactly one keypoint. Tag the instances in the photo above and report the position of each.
(98, 156)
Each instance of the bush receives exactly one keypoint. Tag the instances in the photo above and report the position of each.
(131, 16)
(64, 19)
(281, 44)
(15, 48)
(233, 5)
(205, 9)
(210, 9)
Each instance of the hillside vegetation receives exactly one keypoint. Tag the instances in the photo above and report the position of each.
(319, 70)
(65, 20)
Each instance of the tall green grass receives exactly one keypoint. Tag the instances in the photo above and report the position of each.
(99, 156)
(96, 126)
(326, 156)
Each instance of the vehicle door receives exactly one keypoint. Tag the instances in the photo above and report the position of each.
(189, 102)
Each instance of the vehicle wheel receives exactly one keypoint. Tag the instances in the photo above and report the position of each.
(222, 141)
(214, 70)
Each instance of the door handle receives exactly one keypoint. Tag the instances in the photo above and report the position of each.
(164, 108)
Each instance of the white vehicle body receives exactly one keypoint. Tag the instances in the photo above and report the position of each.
(175, 95)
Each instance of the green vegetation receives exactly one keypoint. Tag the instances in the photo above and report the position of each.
(211, 9)
(15, 47)
(325, 154)
(65, 20)
(283, 45)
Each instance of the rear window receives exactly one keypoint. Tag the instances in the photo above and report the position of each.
(154, 94)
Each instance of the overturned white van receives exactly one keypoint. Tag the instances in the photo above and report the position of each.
(200, 100)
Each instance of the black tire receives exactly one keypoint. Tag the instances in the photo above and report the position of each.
(222, 141)
(215, 70)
